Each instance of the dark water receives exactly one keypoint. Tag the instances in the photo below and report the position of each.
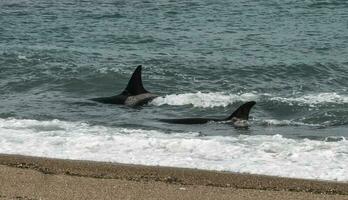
(291, 55)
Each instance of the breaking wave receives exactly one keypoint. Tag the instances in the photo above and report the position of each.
(259, 154)
(205, 100)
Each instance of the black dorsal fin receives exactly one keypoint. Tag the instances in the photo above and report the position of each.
(243, 111)
(135, 84)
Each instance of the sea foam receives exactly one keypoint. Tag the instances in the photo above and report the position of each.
(205, 100)
(215, 99)
(275, 122)
(259, 154)
(314, 99)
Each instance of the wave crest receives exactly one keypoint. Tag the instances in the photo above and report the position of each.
(314, 99)
(274, 122)
(204, 100)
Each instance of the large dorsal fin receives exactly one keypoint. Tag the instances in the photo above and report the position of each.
(243, 111)
(135, 84)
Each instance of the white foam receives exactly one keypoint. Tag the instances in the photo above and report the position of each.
(205, 100)
(314, 99)
(21, 57)
(276, 122)
(214, 99)
(270, 155)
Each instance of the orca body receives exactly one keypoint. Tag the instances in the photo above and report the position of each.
(134, 94)
(239, 117)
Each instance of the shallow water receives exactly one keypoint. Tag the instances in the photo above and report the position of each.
(204, 57)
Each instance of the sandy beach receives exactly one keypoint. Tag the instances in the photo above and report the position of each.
(24, 177)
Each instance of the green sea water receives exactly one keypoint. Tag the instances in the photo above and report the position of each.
(209, 57)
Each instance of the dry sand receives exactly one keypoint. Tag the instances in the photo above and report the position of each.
(24, 177)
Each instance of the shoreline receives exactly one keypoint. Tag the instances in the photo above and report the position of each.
(157, 176)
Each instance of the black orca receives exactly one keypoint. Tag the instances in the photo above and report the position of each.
(239, 117)
(134, 94)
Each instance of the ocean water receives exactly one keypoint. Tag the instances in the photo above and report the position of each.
(205, 58)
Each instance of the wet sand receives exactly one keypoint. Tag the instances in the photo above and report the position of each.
(24, 177)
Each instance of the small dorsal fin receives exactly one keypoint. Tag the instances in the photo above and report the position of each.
(135, 84)
(243, 111)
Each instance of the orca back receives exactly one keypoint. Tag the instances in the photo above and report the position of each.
(242, 113)
(187, 120)
(134, 94)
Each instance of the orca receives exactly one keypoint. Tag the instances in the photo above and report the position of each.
(239, 117)
(134, 94)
